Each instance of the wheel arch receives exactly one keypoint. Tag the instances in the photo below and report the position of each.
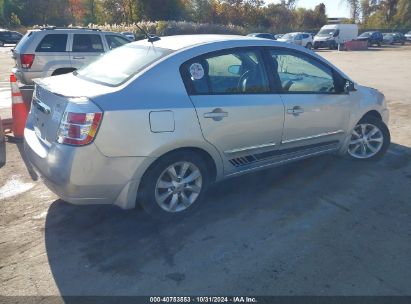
(128, 196)
(372, 113)
(61, 71)
(205, 155)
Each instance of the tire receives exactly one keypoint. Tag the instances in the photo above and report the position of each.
(1, 43)
(174, 198)
(374, 145)
(309, 46)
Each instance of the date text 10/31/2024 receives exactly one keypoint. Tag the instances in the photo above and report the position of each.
(203, 300)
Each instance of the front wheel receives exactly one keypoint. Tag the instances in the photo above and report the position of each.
(174, 185)
(309, 46)
(370, 139)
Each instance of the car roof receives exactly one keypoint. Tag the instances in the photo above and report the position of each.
(253, 34)
(69, 30)
(179, 42)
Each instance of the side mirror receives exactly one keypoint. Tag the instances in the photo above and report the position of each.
(234, 69)
(349, 87)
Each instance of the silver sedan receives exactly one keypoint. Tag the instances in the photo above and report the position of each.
(182, 112)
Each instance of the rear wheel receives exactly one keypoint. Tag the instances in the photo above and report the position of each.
(174, 185)
(370, 139)
(1, 43)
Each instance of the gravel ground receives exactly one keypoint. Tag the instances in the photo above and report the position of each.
(324, 226)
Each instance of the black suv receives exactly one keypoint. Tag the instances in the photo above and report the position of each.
(373, 38)
(9, 37)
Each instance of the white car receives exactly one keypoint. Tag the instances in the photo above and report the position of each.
(299, 38)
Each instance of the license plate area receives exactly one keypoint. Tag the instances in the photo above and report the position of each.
(39, 124)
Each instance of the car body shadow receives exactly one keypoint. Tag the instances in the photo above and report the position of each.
(90, 248)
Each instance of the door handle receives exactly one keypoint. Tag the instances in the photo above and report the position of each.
(78, 57)
(217, 114)
(297, 110)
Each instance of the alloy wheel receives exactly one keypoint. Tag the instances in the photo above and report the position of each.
(366, 141)
(178, 186)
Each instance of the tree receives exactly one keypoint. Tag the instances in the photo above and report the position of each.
(2, 20)
(354, 9)
(77, 11)
(289, 3)
(310, 19)
(402, 18)
(162, 10)
(366, 10)
(320, 14)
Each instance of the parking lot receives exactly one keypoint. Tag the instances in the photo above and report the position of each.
(323, 226)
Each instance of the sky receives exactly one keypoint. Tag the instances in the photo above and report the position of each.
(335, 8)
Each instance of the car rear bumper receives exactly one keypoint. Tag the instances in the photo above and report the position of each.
(83, 175)
(26, 77)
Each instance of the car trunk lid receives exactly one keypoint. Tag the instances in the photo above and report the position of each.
(46, 111)
(50, 100)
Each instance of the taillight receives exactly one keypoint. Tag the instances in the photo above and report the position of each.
(78, 129)
(26, 60)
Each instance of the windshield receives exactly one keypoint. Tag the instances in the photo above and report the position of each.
(366, 34)
(289, 36)
(327, 32)
(119, 65)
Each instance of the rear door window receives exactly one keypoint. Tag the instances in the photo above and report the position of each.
(114, 41)
(87, 43)
(53, 43)
(240, 71)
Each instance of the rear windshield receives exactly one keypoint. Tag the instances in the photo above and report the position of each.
(23, 41)
(289, 36)
(366, 34)
(119, 65)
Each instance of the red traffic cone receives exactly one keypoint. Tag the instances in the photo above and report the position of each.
(19, 108)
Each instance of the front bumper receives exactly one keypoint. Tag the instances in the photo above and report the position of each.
(83, 175)
(323, 43)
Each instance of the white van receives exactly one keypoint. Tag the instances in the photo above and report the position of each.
(331, 35)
